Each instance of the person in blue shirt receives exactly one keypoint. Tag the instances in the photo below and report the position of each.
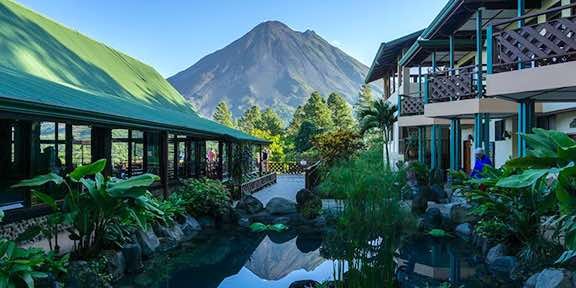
(481, 161)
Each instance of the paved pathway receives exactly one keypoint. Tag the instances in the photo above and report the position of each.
(286, 187)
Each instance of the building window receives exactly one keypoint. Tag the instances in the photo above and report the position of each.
(153, 153)
(81, 146)
(52, 158)
(127, 153)
(546, 122)
(500, 129)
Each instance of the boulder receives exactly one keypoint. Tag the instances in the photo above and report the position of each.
(304, 284)
(280, 206)
(464, 231)
(437, 193)
(419, 199)
(190, 226)
(456, 213)
(207, 222)
(307, 243)
(115, 263)
(133, 257)
(281, 220)
(432, 219)
(495, 252)
(148, 242)
(172, 233)
(504, 266)
(82, 275)
(304, 195)
(244, 222)
(554, 278)
(250, 204)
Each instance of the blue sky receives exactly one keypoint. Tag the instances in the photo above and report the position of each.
(171, 35)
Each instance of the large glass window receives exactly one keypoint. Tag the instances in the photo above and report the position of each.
(153, 153)
(171, 156)
(81, 145)
(52, 148)
(127, 153)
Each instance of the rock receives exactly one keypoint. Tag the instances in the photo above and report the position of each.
(250, 204)
(307, 243)
(82, 275)
(281, 220)
(190, 225)
(437, 193)
(263, 217)
(304, 195)
(432, 219)
(460, 213)
(304, 284)
(206, 222)
(244, 222)
(173, 233)
(464, 231)
(148, 242)
(504, 266)
(133, 257)
(115, 263)
(495, 252)
(280, 206)
(554, 278)
(282, 237)
(531, 282)
(419, 200)
(167, 244)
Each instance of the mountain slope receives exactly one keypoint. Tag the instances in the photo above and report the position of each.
(270, 66)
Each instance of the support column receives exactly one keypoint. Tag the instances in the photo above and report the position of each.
(433, 148)
(260, 168)
(526, 121)
(455, 143)
(164, 162)
(68, 148)
(451, 53)
(422, 144)
(101, 146)
(479, 49)
(220, 160)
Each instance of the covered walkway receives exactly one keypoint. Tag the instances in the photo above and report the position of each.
(286, 187)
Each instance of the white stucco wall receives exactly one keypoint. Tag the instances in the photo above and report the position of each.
(563, 122)
(503, 148)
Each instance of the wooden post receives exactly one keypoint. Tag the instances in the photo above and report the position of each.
(68, 148)
(130, 152)
(101, 146)
(164, 162)
(261, 161)
(145, 151)
(220, 160)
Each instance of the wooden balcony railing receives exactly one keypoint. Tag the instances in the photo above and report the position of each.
(411, 105)
(541, 44)
(453, 84)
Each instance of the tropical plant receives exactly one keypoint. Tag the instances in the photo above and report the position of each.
(205, 197)
(550, 163)
(19, 266)
(380, 115)
(337, 145)
(101, 205)
(512, 215)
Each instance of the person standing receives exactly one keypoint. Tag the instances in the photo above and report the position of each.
(481, 161)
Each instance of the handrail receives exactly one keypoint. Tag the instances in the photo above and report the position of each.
(532, 15)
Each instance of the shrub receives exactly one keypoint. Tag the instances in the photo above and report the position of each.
(337, 145)
(205, 197)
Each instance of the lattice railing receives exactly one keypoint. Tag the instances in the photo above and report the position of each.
(452, 85)
(535, 45)
(411, 105)
(286, 167)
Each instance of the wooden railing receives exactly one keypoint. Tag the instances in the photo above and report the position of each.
(411, 105)
(258, 183)
(312, 175)
(541, 44)
(453, 84)
(285, 167)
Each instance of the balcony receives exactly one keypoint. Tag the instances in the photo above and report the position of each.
(535, 61)
(411, 105)
(452, 85)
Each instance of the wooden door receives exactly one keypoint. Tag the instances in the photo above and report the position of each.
(467, 156)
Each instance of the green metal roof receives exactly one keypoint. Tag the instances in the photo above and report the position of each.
(387, 54)
(48, 69)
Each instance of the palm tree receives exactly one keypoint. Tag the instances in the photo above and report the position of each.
(379, 115)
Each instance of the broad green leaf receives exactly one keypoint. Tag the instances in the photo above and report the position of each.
(144, 180)
(85, 170)
(567, 256)
(277, 227)
(30, 233)
(541, 145)
(46, 199)
(531, 162)
(258, 227)
(40, 180)
(525, 179)
(438, 233)
(27, 278)
(560, 138)
(567, 153)
(1, 215)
